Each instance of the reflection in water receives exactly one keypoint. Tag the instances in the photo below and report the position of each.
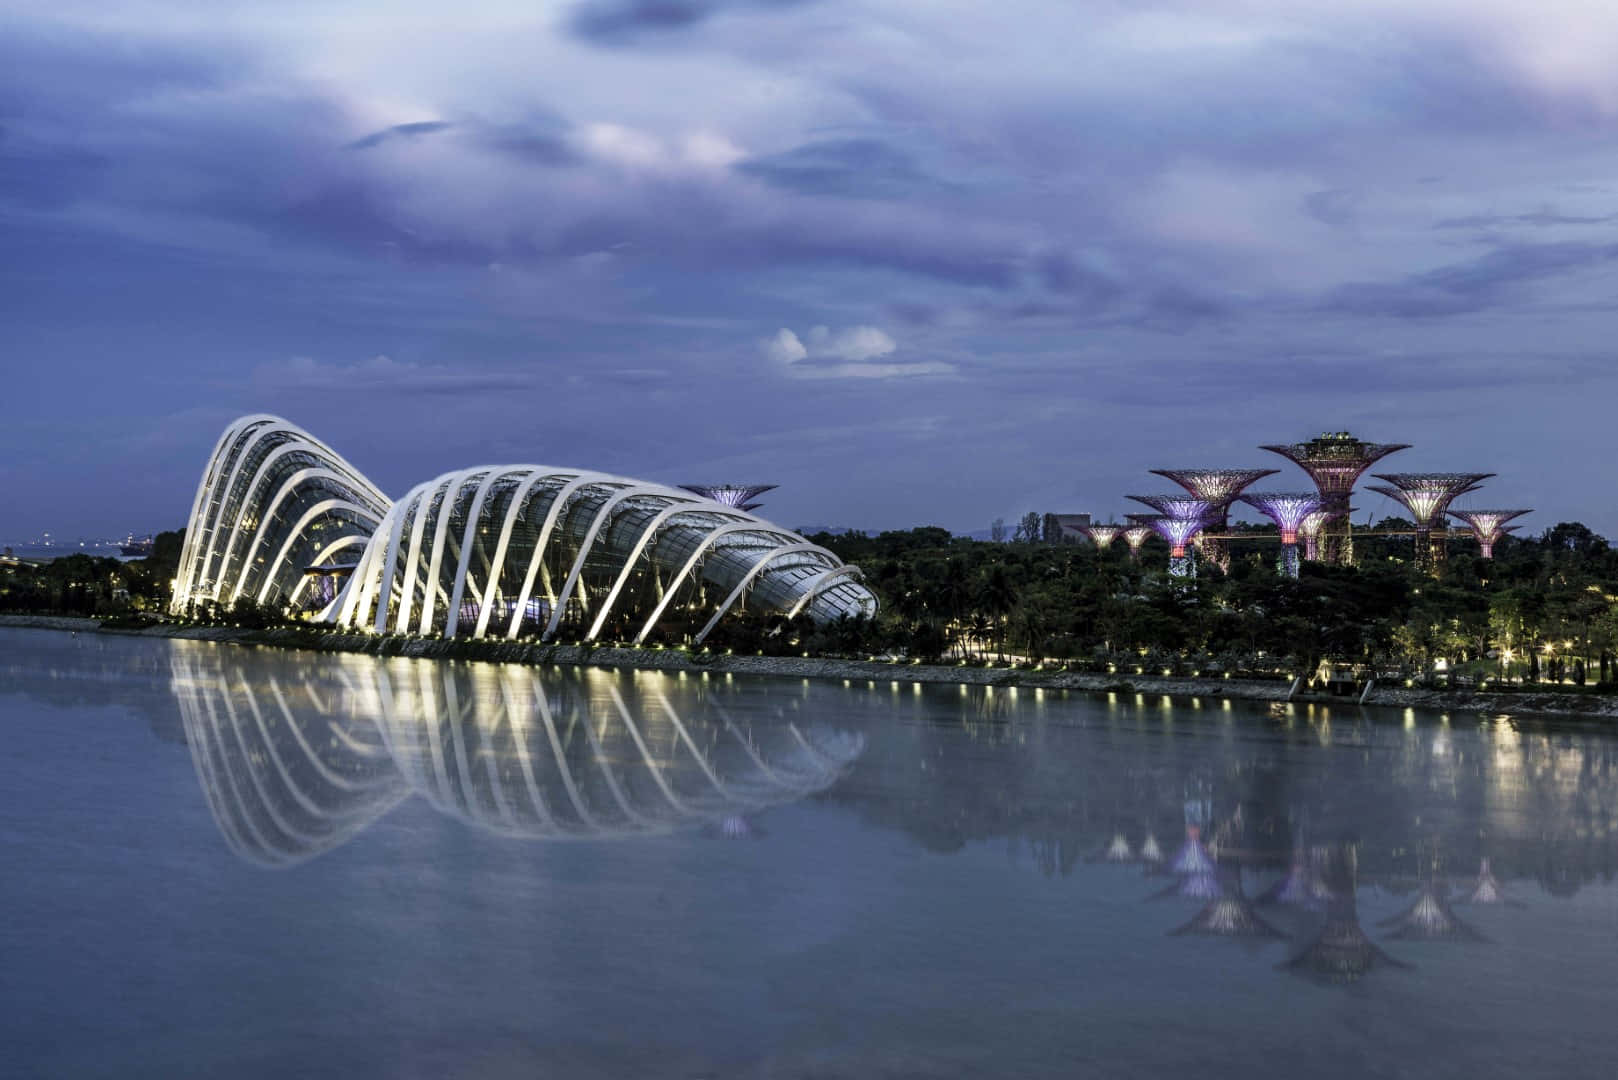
(292, 767)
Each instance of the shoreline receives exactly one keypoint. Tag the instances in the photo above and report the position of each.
(332, 641)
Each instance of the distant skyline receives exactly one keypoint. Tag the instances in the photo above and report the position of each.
(914, 261)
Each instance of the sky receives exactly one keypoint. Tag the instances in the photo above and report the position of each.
(915, 261)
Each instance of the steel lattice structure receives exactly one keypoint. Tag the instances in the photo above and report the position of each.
(1136, 534)
(1309, 531)
(1218, 488)
(1335, 462)
(1102, 535)
(492, 550)
(739, 496)
(1179, 519)
(1288, 510)
(1488, 525)
(272, 501)
(1427, 496)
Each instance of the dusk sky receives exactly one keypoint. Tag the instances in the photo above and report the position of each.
(915, 261)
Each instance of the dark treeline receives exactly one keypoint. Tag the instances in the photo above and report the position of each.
(1543, 610)
(90, 585)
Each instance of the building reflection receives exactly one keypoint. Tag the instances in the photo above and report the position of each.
(293, 763)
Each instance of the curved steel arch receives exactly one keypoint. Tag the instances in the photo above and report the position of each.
(602, 515)
(703, 548)
(271, 489)
(758, 568)
(830, 577)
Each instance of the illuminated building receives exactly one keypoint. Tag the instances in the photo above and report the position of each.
(494, 550)
(1288, 510)
(1218, 488)
(736, 496)
(273, 501)
(1427, 496)
(1102, 535)
(1335, 462)
(1180, 518)
(1488, 525)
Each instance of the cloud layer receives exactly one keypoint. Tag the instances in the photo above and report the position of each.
(571, 228)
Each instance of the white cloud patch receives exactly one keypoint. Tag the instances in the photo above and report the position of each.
(855, 352)
(381, 374)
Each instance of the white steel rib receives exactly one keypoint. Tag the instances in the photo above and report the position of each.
(482, 549)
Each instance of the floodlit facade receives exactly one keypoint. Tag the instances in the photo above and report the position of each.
(273, 502)
(503, 551)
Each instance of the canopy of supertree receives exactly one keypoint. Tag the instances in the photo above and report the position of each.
(1218, 487)
(1335, 461)
(1287, 509)
(1428, 495)
(1102, 535)
(1487, 524)
(1186, 507)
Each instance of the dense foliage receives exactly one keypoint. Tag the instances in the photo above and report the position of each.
(91, 585)
(1543, 609)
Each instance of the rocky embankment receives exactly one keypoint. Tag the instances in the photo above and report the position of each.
(830, 668)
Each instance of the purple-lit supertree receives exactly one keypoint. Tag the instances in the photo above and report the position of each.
(1180, 518)
(1488, 525)
(1218, 488)
(1335, 461)
(736, 496)
(1309, 530)
(1288, 510)
(1427, 496)
(1102, 535)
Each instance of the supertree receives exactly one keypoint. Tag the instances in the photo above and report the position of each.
(1102, 535)
(1309, 529)
(1427, 496)
(738, 496)
(1218, 488)
(1288, 510)
(1178, 519)
(1135, 535)
(1335, 461)
(1488, 525)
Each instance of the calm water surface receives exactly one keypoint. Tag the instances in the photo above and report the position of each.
(232, 862)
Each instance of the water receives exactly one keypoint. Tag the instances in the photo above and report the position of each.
(250, 862)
